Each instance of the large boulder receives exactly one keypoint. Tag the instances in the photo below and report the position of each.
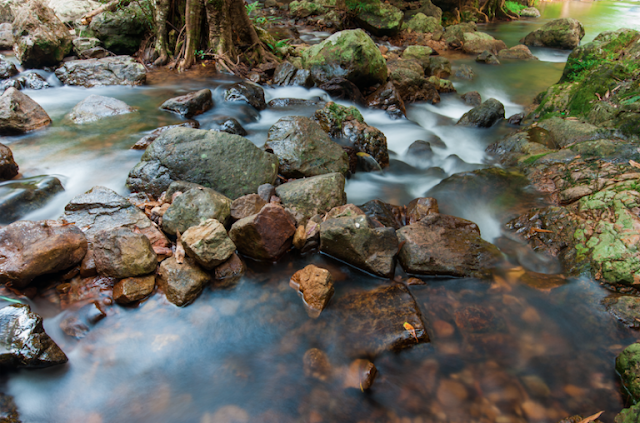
(96, 107)
(354, 240)
(193, 207)
(444, 245)
(315, 195)
(628, 367)
(182, 282)
(8, 166)
(229, 164)
(22, 196)
(381, 20)
(208, 244)
(266, 235)
(20, 114)
(117, 70)
(121, 31)
(69, 11)
(424, 24)
(483, 116)
(30, 249)
(190, 105)
(564, 33)
(349, 54)
(122, 253)
(23, 341)
(41, 38)
(304, 149)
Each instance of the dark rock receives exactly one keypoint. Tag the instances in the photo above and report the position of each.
(146, 141)
(190, 105)
(30, 249)
(131, 290)
(316, 287)
(340, 89)
(388, 99)
(386, 214)
(232, 126)
(249, 204)
(446, 246)
(194, 207)
(118, 70)
(304, 149)
(121, 253)
(483, 116)
(284, 73)
(294, 103)
(8, 166)
(181, 283)
(7, 69)
(315, 195)
(208, 244)
(230, 271)
(19, 197)
(488, 58)
(248, 93)
(212, 159)
(23, 341)
(564, 33)
(355, 241)
(420, 208)
(472, 98)
(121, 31)
(96, 107)
(465, 72)
(266, 235)
(439, 67)
(409, 79)
(8, 408)
(516, 119)
(82, 44)
(20, 114)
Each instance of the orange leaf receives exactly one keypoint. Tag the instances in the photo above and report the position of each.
(634, 164)
(541, 230)
(591, 418)
(411, 329)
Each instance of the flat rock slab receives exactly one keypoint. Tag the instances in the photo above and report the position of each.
(117, 70)
(23, 341)
(182, 283)
(20, 114)
(96, 107)
(191, 104)
(248, 93)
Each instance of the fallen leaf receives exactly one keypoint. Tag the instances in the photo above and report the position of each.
(591, 418)
(634, 164)
(546, 231)
(411, 329)
(179, 249)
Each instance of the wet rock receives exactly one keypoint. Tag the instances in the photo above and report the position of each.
(121, 31)
(146, 141)
(338, 88)
(288, 74)
(516, 119)
(564, 33)
(30, 249)
(182, 283)
(420, 208)
(360, 374)
(316, 287)
(248, 93)
(478, 42)
(439, 67)
(333, 116)
(420, 22)
(447, 246)
(23, 341)
(628, 367)
(409, 79)
(488, 58)
(465, 72)
(183, 154)
(8, 166)
(383, 213)
(121, 253)
(33, 81)
(519, 52)
(348, 54)
(41, 39)
(19, 197)
(380, 20)
(232, 126)
(248, 204)
(230, 271)
(266, 191)
(315, 195)
(304, 149)
(625, 308)
(483, 116)
(194, 207)
(190, 105)
(472, 98)
(7, 69)
(82, 44)
(96, 107)
(130, 290)
(388, 99)
(316, 364)
(355, 241)
(117, 70)
(6, 36)
(8, 410)
(208, 244)
(20, 114)
(295, 102)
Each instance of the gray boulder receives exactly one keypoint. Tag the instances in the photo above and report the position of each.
(564, 33)
(193, 207)
(117, 70)
(122, 253)
(20, 114)
(191, 104)
(316, 195)
(69, 11)
(484, 115)
(229, 164)
(96, 107)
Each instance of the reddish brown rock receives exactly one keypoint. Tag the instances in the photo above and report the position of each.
(266, 235)
(246, 205)
(316, 364)
(360, 374)
(183, 282)
(20, 114)
(348, 210)
(8, 166)
(133, 289)
(88, 265)
(420, 208)
(316, 286)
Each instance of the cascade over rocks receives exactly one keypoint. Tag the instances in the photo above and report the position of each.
(30, 249)
(248, 93)
(20, 114)
(190, 105)
(194, 207)
(564, 33)
(227, 163)
(310, 196)
(117, 70)
(23, 341)
(8, 166)
(483, 116)
(97, 107)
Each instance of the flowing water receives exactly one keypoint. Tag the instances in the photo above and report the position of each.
(524, 347)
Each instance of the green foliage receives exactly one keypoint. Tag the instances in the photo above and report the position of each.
(145, 9)
(361, 6)
(254, 12)
(514, 7)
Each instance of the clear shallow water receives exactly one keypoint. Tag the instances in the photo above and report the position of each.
(538, 348)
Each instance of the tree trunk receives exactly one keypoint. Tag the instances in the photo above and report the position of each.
(162, 13)
(192, 32)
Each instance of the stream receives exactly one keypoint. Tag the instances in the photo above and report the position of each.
(539, 349)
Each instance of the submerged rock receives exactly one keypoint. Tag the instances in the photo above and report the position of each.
(248, 93)
(22, 196)
(8, 166)
(23, 341)
(20, 114)
(208, 244)
(316, 287)
(227, 163)
(117, 70)
(182, 283)
(194, 207)
(96, 107)
(190, 105)
(483, 116)
(130, 290)
(564, 33)
(121, 253)
(315, 195)
(30, 249)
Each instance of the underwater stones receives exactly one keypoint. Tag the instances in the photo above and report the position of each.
(248, 93)
(122, 253)
(316, 287)
(350, 54)
(483, 116)
(628, 367)
(134, 289)
(266, 235)
(208, 244)
(96, 107)
(193, 207)
(30, 249)
(381, 20)
(8, 166)
(315, 195)
(564, 33)
(21, 196)
(20, 114)
(229, 164)
(183, 282)
(316, 364)
(190, 105)
(304, 149)
(23, 341)
(446, 245)
(355, 241)
(117, 70)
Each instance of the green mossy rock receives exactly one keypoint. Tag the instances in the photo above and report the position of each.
(564, 33)
(304, 8)
(424, 24)
(629, 415)
(420, 53)
(381, 19)
(628, 367)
